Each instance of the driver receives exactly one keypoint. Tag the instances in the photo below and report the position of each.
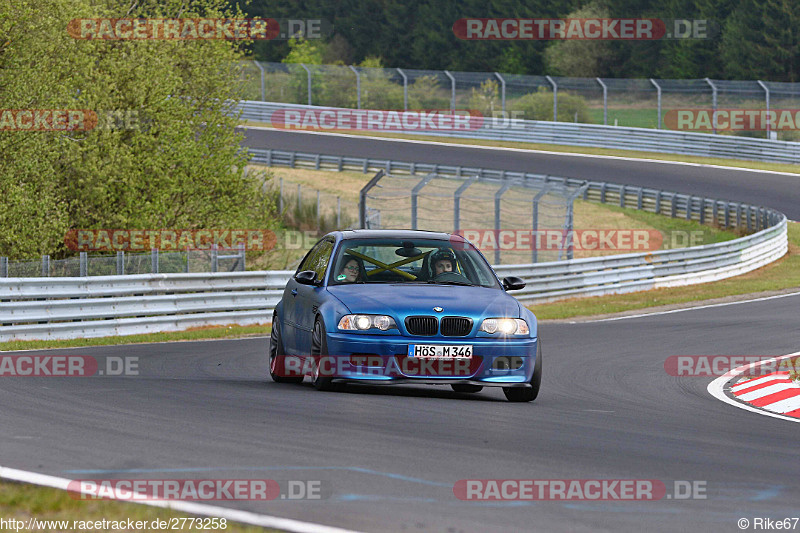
(443, 261)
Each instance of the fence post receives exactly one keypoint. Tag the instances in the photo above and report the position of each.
(45, 266)
(154, 260)
(120, 263)
(555, 97)
(457, 203)
(358, 85)
(452, 91)
(3, 267)
(605, 102)
(83, 269)
(280, 198)
(502, 90)
(766, 92)
(713, 104)
(263, 88)
(570, 222)
(535, 221)
(362, 199)
(214, 258)
(414, 194)
(241, 257)
(405, 89)
(308, 72)
(658, 88)
(497, 197)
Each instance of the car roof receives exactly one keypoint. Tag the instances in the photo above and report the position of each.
(392, 234)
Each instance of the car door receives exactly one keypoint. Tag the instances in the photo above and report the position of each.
(309, 297)
(289, 318)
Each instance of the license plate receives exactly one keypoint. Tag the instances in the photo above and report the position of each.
(438, 351)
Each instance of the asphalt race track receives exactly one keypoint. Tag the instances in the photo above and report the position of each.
(388, 457)
(779, 191)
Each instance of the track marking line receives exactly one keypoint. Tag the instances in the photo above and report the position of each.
(657, 313)
(717, 388)
(245, 517)
(528, 150)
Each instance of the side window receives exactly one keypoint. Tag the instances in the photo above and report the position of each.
(318, 258)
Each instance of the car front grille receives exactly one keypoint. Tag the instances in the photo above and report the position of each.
(422, 325)
(456, 326)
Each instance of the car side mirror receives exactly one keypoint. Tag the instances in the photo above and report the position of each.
(307, 277)
(513, 283)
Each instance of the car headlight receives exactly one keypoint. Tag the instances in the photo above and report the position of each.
(365, 322)
(505, 326)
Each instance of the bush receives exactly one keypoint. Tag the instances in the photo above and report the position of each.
(539, 106)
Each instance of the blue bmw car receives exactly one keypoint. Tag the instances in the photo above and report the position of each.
(397, 306)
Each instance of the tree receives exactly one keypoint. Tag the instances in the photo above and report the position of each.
(579, 58)
(178, 163)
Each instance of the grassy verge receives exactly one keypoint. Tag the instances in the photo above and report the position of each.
(21, 502)
(780, 275)
(738, 163)
(192, 334)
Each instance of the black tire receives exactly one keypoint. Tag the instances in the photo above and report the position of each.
(319, 352)
(528, 394)
(466, 387)
(276, 349)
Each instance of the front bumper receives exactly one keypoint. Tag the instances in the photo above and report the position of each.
(382, 359)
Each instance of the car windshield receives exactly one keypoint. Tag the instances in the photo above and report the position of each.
(411, 261)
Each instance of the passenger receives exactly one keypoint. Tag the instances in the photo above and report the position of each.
(350, 272)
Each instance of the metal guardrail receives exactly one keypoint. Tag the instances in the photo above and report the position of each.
(65, 308)
(590, 135)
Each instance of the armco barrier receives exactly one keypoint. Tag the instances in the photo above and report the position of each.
(574, 134)
(65, 308)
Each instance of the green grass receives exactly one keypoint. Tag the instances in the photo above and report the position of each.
(627, 117)
(193, 334)
(780, 275)
(21, 501)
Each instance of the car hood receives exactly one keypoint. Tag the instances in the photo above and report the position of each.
(402, 300)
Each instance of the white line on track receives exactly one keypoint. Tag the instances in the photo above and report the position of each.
(716, 388)
(656, 313)
(246, 517)
(523, 150)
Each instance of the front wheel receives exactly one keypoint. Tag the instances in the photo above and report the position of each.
(528, 394)
(319, 353)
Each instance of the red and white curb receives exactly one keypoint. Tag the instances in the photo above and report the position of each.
(774, 392)
(774, 395)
